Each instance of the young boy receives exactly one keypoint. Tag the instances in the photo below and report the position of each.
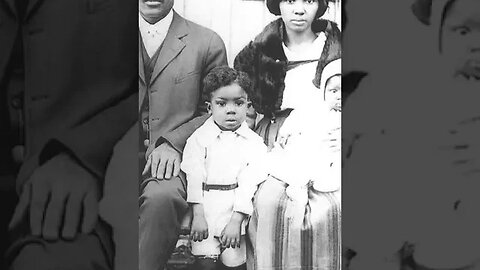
(222, 163)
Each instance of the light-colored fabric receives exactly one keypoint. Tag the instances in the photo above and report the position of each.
(153, 35)
(211, 246)
(285, 235)
(299, 85)
(213, 156)
(278, 238)
(302, 154)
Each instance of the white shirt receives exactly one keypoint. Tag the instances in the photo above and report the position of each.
(221, 157)
(153, 35)
(299, 86)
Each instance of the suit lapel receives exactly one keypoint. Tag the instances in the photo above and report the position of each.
(141, 73)
(172, 45)
(141, 67)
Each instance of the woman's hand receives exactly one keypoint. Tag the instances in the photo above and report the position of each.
(199, 229)
(230, 236)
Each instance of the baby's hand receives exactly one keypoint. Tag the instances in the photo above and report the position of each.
(230, 236)
(199, 228)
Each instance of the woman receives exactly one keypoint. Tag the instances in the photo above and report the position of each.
(285, 62)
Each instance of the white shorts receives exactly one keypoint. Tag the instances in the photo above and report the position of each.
(230, 257)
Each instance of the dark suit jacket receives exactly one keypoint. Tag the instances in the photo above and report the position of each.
(81, 73)
(189, 52)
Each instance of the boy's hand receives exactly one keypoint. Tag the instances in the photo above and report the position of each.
(199, 224)
(230, 236)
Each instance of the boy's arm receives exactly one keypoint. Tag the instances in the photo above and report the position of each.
(249, 178)
(193, 165)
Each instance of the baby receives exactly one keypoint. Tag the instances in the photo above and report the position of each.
(222, 161)
(311, 151)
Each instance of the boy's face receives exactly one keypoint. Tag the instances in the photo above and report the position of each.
(461, 40)
(228, 106)
(333, 93)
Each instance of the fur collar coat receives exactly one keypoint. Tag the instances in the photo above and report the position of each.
(264, 60)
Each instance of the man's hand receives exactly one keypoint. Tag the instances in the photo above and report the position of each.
(163, 162)
(230, 236)
(199, 229)
(59, 197)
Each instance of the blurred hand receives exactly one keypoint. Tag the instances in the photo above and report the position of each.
(163, 162)
(59, 197)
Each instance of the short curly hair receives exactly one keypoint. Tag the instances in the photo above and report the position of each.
(222, 76)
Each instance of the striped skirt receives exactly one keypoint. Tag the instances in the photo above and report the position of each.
(284, 235)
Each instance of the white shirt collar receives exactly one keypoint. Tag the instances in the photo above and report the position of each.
(212, 131)
(153, 35)
(161, 26)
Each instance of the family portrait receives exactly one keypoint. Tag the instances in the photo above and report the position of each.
(239, 134)
(242, 134)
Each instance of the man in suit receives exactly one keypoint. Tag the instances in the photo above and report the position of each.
(175, 55)
(68, 93)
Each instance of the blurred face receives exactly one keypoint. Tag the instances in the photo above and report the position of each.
(298, 15)
(461, 40)
(333, 93)
(228, 106)
(154, 10)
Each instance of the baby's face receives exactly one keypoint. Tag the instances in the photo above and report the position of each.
(333, 93)
(460, 41)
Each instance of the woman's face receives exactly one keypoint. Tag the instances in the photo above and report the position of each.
(461, 39)
(298, 15)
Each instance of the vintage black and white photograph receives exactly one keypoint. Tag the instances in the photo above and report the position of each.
(240, 110)
(216, 135)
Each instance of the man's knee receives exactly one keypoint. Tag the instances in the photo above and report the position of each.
(164, 194)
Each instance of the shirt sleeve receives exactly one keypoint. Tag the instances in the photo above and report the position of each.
(193, 165)
(249, 179)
